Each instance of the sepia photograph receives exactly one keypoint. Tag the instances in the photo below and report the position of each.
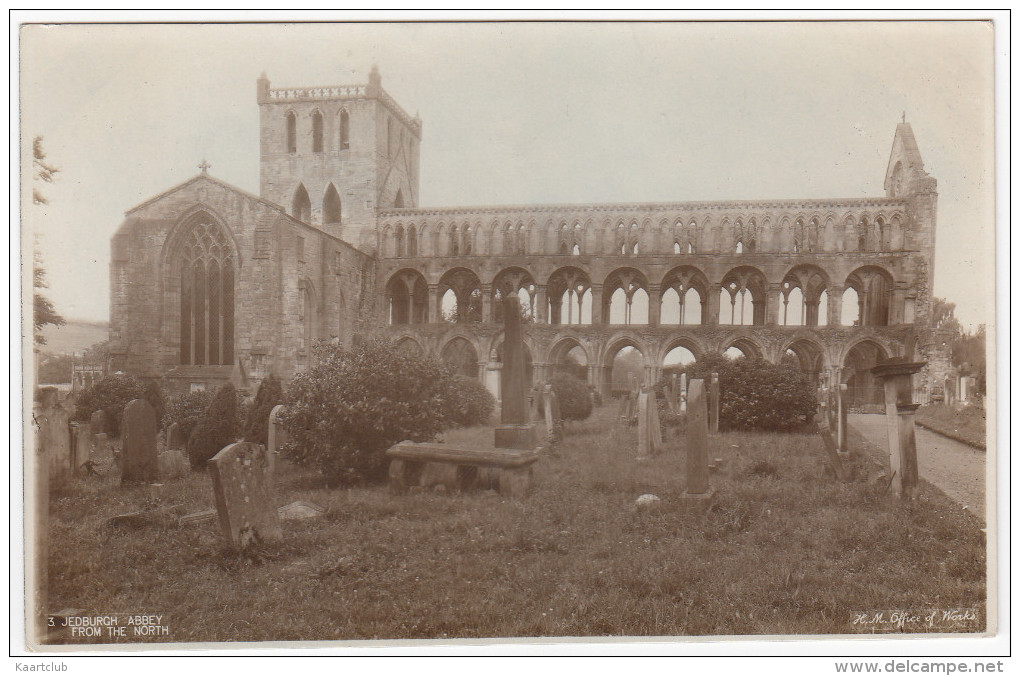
(440, 332)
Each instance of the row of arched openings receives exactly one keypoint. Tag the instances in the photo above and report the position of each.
(317, 132)
(803, 297)
(798, 236)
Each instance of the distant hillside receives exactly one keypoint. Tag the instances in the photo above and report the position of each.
(74, 336)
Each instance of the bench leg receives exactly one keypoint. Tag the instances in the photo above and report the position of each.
(514, 482)
(397, 485)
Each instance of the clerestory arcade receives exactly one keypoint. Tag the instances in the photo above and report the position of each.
(336, 247)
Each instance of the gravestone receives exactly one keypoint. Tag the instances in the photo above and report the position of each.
(713, 404)
(551, 410)
(173, 464)
(98, 422)
(683, 393)
(894, 374)
(82, 447)
(514, 431)
(102, 445)
(55, 437)
(674, 394)
(277, 437)
(175, 439)
(244, 498)
(649, 430)
(138, 457)
(843, 402)
(697, 443)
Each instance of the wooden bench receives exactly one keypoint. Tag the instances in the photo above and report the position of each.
(513, 467)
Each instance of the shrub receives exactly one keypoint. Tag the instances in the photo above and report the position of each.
(468, 402)
(756, 394)
(186, 410)
(343, 413)
(256, 419)
(156, 398)
(575, 401)
(217, 427)
(111, 395)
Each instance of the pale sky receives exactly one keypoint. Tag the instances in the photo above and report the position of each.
(522, 114)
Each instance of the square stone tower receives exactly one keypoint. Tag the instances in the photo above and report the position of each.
(332, 156)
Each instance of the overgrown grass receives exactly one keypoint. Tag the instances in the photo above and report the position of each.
(966, 423)
(784, 549)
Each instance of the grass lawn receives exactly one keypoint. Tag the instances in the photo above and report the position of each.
(783, 550)
(966, 424)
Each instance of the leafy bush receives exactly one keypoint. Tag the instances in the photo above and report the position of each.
(468, 402)
(256, 418)
(111, 395)
(186, 410)
(575, 401)
(217, 427)
(343, 413)
(756, 394)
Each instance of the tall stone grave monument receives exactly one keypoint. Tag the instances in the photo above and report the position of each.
(515, 430)
(697, 444)
(899, 415)
(138, 457)
(277, 437)
(244, 498)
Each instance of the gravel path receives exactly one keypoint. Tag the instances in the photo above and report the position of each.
(956, 468)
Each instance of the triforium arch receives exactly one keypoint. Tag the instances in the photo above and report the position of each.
(570, 295)
(460, 296)
(683, 296)
(200, 265)
(742, 297)
(625, 297)
(804, 296)
(514, 281)
(690, 343)
(745, 344)
(806, 354)
(874, 287)
(407, 298)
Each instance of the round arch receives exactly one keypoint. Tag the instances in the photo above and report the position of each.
(462, 355)
(407, 297)
(690, 343)
(749, 346)
(863, 389)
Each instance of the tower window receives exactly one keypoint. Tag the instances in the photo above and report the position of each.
(345, 130)
(291, 133)
(316, 132)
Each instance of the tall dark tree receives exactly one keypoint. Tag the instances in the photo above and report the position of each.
(43, 310)
(43, 170)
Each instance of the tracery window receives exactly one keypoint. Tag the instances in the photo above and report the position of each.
(207, 297)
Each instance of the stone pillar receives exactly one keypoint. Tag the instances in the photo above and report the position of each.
(596, 305)
(773, 303)
(514, 430)
(843, 402)
(896, 303)
(654, 304)
(712, 305)
(438, 302)
(713, 404)
(541, 305)
(899, 410)
(492, 381)
(591, 375)
(697, 441)
(835, 301)
(486, 290)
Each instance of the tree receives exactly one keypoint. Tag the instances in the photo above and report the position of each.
(43, 170)
(943, 317)
(43, 310)
(969, 355)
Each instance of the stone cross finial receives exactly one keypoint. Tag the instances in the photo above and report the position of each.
(204, 166)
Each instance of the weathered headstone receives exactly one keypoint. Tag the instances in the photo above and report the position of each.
(683, 393)
(102, 445)
(277, 436)
(654, 425)
(643, 441)
(244, 498)
(649, 429)
(55, 437)
(899, 411)
(697, 442)
(82, 447)
(98, 422)
(713, 404)
(843, 401)
(551, 410)
(138, 456)
(173, 464)
(175, 439)
(514, 430)
(673, 393)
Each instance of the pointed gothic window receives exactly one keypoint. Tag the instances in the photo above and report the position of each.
(207, 296)
(316, 132)
(301, 206)
(291, 133)
(345, 130)
(331, 205)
